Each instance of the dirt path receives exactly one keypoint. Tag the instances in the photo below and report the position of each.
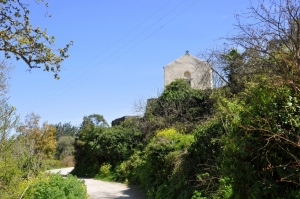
(98, 189)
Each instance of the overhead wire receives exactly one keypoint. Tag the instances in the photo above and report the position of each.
(66, 90)
(116, 42)
(157, 21)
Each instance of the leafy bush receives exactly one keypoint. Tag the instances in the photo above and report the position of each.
(105, 172)
(179, 106)
(260, 150)
(197, 168)
(105, 169)
(203, 158)
(131, 170)
(64, 147)
(65, 129)
(197, 195)
(54, 186)
(97, 145)
(161, 160)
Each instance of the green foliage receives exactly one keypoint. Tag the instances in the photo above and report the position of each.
(105, 169)
(40, 138)
(225, 191)
(32, 45)
(10, 173)
(203, 157)
(132, 169)
(64, 147)
(180, 106)
(54, 186)
(172, 137)
(197, 195)
(260, 150)
(105, 172)
(160, 160)
(8, 121)
(65, 129)
(94, 120)
(23, 156)
(85, 155)
(96, 145)
(234, 72)
(19, 168)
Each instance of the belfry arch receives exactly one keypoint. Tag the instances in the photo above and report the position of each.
(187, 77)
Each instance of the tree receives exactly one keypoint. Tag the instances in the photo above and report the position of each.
(233, 63)
(93, 120)
(91, 128)
(261, 147)
(39, 140)
(272, 35)
(267, 38)
(22, 155)
(179, 103)
(65, 147)
(97, 144)
(8, 117)
(261, 143)
(65, 129)
(20, 39)
(9, 154)
(260, 65)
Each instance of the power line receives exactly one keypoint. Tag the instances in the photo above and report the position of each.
(66, 90)
(116, 42)
(157, 21)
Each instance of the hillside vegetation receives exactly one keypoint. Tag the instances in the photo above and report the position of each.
(238, 140)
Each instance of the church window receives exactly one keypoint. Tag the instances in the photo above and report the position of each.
(187, 77)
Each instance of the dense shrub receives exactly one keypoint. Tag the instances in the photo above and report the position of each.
(203, 157)
(179, 106)
(130, 170)
(261, 154)
(64, 147)
(198, 168)
(97, 145)
(152, 168)
(105, 172)
(65, 129)
(54, 186)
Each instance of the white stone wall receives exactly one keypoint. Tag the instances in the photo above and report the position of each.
(200, 71)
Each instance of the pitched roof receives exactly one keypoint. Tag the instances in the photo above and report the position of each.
(186, 59)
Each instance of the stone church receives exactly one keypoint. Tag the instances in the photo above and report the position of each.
(197, 73)
(193, 70)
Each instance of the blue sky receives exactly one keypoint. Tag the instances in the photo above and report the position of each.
(120, 49)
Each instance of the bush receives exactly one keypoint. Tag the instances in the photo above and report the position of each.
(260, 151)
(203, 158)
(64, 147)
(179, 106)
(161, 160)
(179, 102)
(96, 146)
(68, 161)
(54, 186)
(105, 172)
(131, 170)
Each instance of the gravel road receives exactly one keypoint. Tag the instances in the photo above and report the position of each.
(98, 189)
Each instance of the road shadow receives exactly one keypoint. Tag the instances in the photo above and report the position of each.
(133, 192)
